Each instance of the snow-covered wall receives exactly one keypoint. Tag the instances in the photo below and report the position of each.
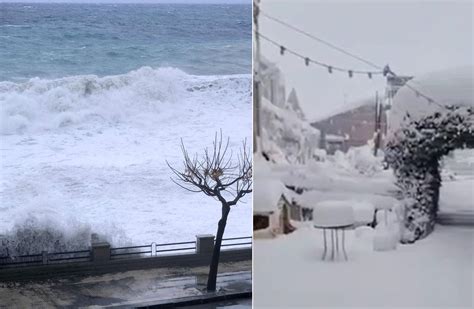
(448, 87)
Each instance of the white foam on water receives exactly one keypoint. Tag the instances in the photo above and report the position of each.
(92, 150)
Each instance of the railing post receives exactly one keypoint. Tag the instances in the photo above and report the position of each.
(205, 244)
(100, 251)
(45, 257)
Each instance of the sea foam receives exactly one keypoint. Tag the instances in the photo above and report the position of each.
(42, 104)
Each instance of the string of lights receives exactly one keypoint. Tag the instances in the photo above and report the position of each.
(309, 35)
(384, 71)
(308, 60)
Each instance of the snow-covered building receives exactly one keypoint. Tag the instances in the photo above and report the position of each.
(273, 83)
(352, 127)
(286, 136)
(271, 206)
(271, 212)
(449, 87)
(293, 104)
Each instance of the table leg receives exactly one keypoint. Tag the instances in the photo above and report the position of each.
(343, 244)
(332, 244)
(325, 244)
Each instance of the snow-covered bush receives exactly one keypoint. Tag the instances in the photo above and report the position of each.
(414, 152)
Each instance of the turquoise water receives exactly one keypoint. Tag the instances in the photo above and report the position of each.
(58, 40)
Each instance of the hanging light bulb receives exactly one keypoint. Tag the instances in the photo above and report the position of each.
(330, 69)
(350, 73)
(370, 75)
(306, 61)
(282, 50)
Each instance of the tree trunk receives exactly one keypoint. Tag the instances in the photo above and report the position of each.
(211, 281)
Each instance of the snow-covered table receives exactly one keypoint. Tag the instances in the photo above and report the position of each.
(334, 216)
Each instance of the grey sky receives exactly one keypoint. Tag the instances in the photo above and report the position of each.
(127, 1)
(412, 37)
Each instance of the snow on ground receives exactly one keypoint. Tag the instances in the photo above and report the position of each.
(435, 272)
(89, 150)
(457, 193)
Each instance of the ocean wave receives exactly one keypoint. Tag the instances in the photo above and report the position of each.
(35, 233)
(49, 104)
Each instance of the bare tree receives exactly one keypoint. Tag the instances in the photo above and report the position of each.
(216, 174)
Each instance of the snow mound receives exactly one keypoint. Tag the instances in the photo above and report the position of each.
(386, 237)
(333, 213)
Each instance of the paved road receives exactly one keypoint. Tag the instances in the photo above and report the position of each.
(126, 289)
(229, 304)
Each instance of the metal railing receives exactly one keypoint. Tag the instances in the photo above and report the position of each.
(152, 249)
(64, 257)
(22, 260)
(129, 252)
(236, 242)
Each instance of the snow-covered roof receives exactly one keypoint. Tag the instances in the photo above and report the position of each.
(349, 106)
(270, 190)
(450, 87)
(293, 104)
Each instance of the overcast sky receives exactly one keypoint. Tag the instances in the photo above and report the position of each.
(412, 37)
(128, 1)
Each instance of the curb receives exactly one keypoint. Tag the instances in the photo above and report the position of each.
(191, 300)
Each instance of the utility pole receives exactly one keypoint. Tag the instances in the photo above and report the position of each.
(257, 136)
(378, 113)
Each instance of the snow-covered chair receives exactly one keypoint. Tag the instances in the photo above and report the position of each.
(333, 216)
